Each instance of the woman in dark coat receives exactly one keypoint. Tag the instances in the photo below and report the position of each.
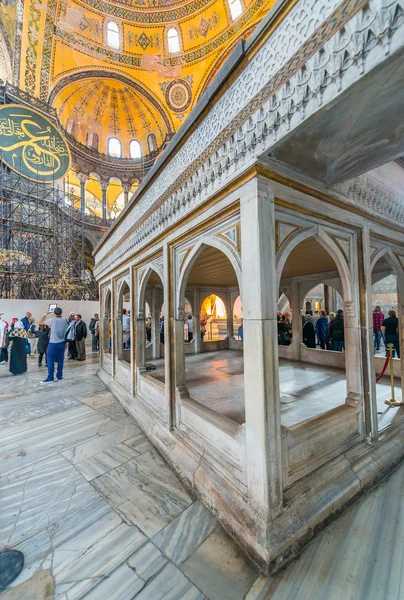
(309, 332)
(43, 341)
(18, 354)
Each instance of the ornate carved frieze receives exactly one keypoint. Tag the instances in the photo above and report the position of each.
(262, 105)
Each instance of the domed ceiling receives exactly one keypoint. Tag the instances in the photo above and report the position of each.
(109, 108)
(121, 68)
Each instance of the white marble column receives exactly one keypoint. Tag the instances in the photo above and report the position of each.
(169, 358)
(155, 328)
(229, 315)
(296, 320)
(369, 377)
(261, 377)
(133, 304)
(179, 349)
(196, 305)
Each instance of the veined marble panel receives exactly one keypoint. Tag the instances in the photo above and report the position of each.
(145, 491)
(105, 461)
(122, 584)
(39, 438)
(77, 571)
(99, 400)
(170, 584)
(96, 445)
(39, 496)
(147, 561)
(180, 538)
(140, 443)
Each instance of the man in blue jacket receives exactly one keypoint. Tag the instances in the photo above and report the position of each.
(321, 329)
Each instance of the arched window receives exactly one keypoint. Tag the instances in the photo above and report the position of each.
(114, 147)
(173, 40)
(152, 142)
(92, 140)
(236, 9)
(113, 37)
(72, 127)
(135, 150)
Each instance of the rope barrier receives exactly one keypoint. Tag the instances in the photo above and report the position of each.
(386, 362)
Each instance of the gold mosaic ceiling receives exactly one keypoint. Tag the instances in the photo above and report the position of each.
(61, 55)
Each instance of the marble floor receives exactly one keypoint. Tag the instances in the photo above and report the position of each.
(99, 515)
(216, 379)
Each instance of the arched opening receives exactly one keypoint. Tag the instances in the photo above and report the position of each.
(312, 378)
(113, 35)
(212, 365)
(107, 323)
(135, 151)
(152, 142)
(115, 197)
(238, 319)
(386, 316)
(236, 9)
(213, 311)
(92, 140)
(173, 41)
(114, 147)
(123, 325)
(151, 326)
(72, 127)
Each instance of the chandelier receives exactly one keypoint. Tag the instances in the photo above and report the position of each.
(63, 287)
(8, 257)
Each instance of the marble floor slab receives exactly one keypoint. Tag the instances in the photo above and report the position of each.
(145, 491)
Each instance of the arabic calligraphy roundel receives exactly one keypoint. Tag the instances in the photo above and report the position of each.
(31, 145)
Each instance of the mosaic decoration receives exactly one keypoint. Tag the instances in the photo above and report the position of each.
(130, 121)
(149, 17)
(86, 98)
(153, 40)
(143, 41)
(31, 145)
(114, 124)
(138, 106)
(32, 46)
(92, 25)
(204, 27)
(47, 48)
(100, 105)
(178, 95)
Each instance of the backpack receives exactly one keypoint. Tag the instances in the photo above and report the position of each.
(31, 331)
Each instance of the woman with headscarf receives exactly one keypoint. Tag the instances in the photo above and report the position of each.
(18, 355)
(309, 331)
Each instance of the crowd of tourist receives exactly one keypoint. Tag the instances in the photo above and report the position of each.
(54, 339)
(327, 331)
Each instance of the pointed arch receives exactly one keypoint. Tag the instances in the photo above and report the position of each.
(152, 268)
(189, 261)
(394, 263)
(323, 238)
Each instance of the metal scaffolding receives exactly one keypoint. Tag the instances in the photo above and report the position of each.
(41, 221)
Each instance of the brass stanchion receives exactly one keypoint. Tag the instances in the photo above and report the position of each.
(392, 401)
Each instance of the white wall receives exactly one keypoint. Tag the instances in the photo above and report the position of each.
(18, 308)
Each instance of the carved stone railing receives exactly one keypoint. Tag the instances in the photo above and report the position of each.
(374, 197)
(284, 83)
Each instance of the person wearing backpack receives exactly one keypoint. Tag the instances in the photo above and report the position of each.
(94, 337)
(42, 335)
(32, 337)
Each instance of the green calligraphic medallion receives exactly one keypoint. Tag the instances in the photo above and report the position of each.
(31, 145)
